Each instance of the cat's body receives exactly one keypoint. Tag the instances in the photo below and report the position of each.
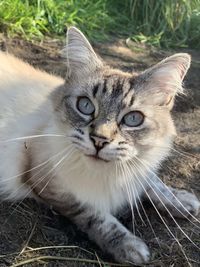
(23, 91)
(23, 99)
(72, 143)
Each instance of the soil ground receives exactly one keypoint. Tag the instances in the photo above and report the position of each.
(27, 226)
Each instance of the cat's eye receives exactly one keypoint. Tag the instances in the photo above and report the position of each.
(85, 106)
(133, 119)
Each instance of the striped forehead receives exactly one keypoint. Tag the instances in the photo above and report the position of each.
(115, 90)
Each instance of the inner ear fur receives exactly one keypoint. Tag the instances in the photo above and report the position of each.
(80, 57)
(164, 80)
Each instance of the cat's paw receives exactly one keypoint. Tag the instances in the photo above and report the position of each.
(185, 202)
(132, 250)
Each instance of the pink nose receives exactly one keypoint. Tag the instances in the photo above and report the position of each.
(99, 141)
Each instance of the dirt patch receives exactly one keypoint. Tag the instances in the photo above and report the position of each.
(30, 225)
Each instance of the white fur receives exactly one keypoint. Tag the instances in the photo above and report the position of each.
(25, 109)
(23, 90)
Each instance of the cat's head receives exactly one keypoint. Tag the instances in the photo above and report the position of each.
(112, 115)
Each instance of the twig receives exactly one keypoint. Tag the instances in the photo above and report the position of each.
(29, 238)
(44, 248)
(64, 259)
(98, 259)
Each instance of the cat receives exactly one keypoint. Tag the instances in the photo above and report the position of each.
(92, 142)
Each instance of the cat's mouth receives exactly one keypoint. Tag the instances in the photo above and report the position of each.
(96, 157)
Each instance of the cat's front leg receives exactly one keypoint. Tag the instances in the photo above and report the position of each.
(180, 203)
(106, 231)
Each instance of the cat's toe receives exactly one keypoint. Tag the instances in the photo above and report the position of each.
(190, 203)
(133, 251)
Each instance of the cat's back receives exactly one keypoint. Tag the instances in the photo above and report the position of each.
(12, 68)
(22, 87)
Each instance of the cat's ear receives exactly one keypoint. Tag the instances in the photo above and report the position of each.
(80, 56)
(164, 80)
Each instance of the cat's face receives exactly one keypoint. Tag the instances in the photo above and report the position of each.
(111, 121)
(115, 116)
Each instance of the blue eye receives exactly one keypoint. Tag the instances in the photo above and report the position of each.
(133, 119)
(85, 106)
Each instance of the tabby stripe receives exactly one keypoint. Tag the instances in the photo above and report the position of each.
(117, 237)
(80, 131)
(123, 106)
(132, 82)
(123, 82)
(78, 137)
(128, 91)
(95, 90)
(121, 148)
(131, 101)
(76, 212)
(104, 87)
(94, 220)
(122, 143)
(117, 88)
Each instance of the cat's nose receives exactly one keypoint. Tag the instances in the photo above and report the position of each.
(99, 141)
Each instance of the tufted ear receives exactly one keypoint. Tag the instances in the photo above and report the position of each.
(81, 58)
(164, 80)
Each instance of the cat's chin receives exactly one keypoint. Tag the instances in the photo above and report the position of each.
(96, 158)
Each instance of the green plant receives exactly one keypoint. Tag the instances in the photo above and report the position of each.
(34, 18)
(166, 23)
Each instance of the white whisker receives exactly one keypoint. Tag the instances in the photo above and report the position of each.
(168, 210)
(43, 167)
(124, 176)
(37, 182)
(133, 192)
(62, 160)
(145, 164)
(138, 197)
(167, 227)
(36, 167)
(31, 137)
